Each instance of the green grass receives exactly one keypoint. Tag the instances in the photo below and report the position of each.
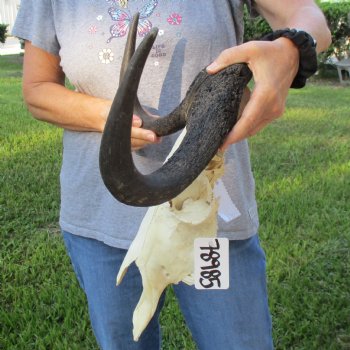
(302, 169)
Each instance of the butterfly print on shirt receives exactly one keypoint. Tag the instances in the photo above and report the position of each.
(123, 19)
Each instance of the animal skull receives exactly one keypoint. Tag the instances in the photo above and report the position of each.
(163, 247)
(180, 192)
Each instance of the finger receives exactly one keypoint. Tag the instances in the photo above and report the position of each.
(142, 137)
(143, 134)
(251, 117)
(245, 99)
(140, 143)
(136, 121)
(137, 144)
(236, 54)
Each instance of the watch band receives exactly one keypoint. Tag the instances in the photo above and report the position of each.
(307, 53)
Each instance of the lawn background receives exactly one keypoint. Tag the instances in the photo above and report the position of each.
(302, 168)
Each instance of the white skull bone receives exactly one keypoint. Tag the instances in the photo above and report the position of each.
(163, 246)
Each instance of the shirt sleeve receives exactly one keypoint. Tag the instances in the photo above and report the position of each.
(35, 23)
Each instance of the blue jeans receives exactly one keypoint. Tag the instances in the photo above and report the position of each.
(233, 319)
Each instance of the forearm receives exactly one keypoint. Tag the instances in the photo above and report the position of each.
(54, 103)
(49, 100)
(274, 64)
(305, 16)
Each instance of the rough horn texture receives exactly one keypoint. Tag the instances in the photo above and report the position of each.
(210, 110)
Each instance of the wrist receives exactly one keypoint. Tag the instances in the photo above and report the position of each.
(290, 49)
(306, 46)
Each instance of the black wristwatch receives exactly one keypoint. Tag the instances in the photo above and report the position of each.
(307, 53)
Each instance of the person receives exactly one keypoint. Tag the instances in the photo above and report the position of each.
(83, 41)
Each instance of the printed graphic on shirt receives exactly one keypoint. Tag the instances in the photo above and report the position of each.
(120, 14)
(174, 19)
(123, 18)
(106, 56)
(123, 3)
(93, 29)
(158, 51)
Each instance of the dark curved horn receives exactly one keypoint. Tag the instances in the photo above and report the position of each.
(211, 109)
(161, 126)
(130, 45)
(128, 52)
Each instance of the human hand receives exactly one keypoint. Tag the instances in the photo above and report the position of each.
(274, 65)
(141, 137)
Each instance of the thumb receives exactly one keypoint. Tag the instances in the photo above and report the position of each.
(236, 54)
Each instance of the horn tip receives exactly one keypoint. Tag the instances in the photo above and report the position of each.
(154, 31)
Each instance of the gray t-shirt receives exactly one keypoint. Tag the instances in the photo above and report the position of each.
(89, 36)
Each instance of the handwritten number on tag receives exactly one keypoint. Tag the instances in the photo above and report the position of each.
(210, 275)
(211, 263)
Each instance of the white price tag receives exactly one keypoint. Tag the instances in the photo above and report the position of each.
(211, 263)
